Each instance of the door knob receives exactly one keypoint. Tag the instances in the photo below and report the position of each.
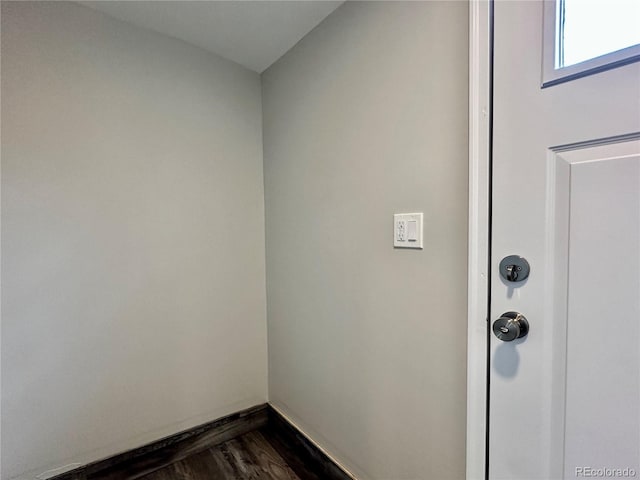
(510, 325)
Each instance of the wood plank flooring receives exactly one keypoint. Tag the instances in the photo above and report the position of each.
(257, 443)
(251, 456)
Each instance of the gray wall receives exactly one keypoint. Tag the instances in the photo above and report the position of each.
(365, 117)
(133, 293)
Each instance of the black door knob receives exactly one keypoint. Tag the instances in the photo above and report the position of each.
(510, 325)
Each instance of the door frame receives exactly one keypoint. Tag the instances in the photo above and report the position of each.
(479, 235)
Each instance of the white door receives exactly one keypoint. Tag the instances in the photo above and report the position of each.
(564, 400)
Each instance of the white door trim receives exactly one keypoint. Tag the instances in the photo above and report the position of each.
(478, 261)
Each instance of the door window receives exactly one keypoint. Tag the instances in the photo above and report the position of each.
(583, 37)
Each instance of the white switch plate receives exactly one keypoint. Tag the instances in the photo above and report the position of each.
(407, 230)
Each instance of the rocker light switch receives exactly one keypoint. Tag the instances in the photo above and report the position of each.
(407, 230)
(412, 230)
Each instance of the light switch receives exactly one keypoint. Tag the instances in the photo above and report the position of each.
(412, 230)
(407, 230)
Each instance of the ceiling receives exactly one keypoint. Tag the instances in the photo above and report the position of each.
(252, 33)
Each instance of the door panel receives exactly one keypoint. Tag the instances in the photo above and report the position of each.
(602, 375)
(566, 196)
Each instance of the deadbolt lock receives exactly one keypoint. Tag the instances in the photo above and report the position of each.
(514, 268)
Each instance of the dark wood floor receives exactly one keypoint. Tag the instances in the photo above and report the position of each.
(250, 456)
(254, 444)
